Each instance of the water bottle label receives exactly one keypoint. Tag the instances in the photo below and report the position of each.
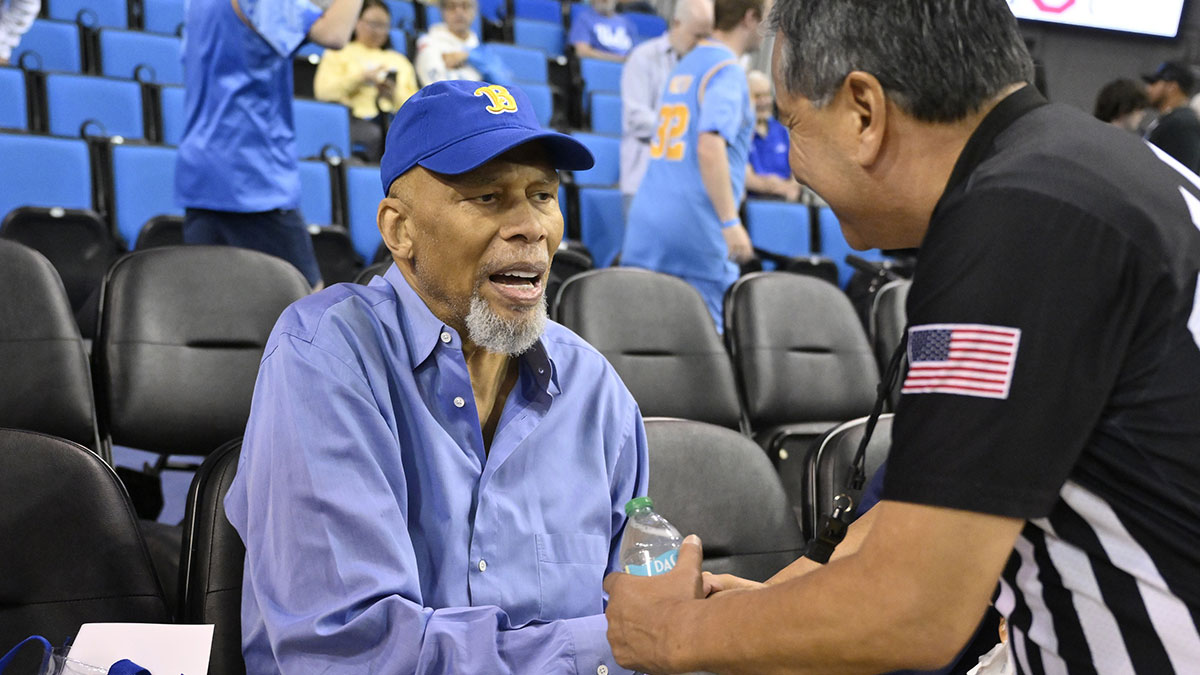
(660, 565)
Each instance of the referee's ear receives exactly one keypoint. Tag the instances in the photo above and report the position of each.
(865, 103)
(394, 223)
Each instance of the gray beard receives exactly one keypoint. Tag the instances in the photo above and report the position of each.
(513, 337)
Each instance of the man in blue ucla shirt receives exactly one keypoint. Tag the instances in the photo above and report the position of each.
(237, 175)
(598, 32)
(433, 477)
(684, 219)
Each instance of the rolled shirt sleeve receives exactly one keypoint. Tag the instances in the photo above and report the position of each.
(284, 24)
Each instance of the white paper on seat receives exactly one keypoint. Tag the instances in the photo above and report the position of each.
(161, 648)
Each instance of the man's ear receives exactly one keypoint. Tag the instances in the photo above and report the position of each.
(395, 224)
(862, 98)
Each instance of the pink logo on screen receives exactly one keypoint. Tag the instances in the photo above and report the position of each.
(1056, 7)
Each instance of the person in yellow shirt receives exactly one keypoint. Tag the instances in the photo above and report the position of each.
(367, 76)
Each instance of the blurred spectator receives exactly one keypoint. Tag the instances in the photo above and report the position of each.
(642, 81)
(369, 77)
(237, 174)
(598, 32)
(1123, 103)
(767, 171)
(1177, 129)
(443, 52)
(16, 16)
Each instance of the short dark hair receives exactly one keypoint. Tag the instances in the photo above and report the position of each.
(1119, 98)
(939, 60)
(727, 14)
(368, 4)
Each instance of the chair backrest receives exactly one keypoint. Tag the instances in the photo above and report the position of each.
(182, 330)
(527, 65)
(571, 258)
(404, 14)
(835, 247)
(543, 35)
(542, 98)
(41, 171)
(371, 271)
(316, 192)
(606, 112)
(362, 207)
(607, 151)
(109, 13)
(14, 114)
(718, 484)
(47, 382)
(656, 331)
(888, 319)
(542, 10)
(399, 40)
(601, 223)
(173, 119)
(160, 231)
(162, 16)
(143, 187)
(336, 257)
(827, 466)
(648, 25)
(73, 100)
(600, 75)
(320, 124)
(147, 57)
(799, 351)
(56, 45)
(74, 553)
(210, 570)
(779, 227)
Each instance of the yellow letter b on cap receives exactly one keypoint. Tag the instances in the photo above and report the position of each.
(502, 101)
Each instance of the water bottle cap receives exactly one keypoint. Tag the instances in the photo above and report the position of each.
(638, 503)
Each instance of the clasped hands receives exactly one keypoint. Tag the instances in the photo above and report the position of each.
(645, 613)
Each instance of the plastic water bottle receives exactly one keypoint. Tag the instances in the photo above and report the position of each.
(651, 544)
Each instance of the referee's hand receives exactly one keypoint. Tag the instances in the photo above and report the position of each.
(738, 242)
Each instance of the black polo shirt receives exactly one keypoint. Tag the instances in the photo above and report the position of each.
(1054, 347)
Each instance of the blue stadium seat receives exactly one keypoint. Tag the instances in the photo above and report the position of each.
(316, 197)
(607, 171)
(399, 40)
(606, 112)
(173, 118)
(433, 15)
(493, 10)
(143, 187)
(834, 245)
(72, 100)
(542, 10)
(527, 65)
(162, 16)
(601, 223)
(542, 98)
(362, 201)
(576, 7)
(43, 171)
(779, 227)
(309, 49)
(543, 35)
(319, 124)
(598, 75)
(648, 25)
(123, 53)
(13, 111)
(55, 43)
(109, 13)
(404, 14)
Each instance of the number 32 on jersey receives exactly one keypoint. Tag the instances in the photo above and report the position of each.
(672, 123)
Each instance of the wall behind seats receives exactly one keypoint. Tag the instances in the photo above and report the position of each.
(1078, 62)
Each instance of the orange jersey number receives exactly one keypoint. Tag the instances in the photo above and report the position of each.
(673, 122)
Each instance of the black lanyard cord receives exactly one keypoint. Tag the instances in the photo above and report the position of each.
(844, 505)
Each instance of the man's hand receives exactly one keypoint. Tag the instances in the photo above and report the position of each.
(643, 610)
(738, 242)
(722, 583)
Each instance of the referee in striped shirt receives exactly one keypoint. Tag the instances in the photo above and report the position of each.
(1046, 447)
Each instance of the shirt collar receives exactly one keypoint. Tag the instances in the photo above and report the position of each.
(979, 146)
(423, 331)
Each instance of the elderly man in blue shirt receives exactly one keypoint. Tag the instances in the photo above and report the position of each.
(433, 476)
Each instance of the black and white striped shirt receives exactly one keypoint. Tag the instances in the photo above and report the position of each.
(1079, 240)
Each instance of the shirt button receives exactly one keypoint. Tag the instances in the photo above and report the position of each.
(446, 338)
(459, 402)
(602, 670)
(482, 565)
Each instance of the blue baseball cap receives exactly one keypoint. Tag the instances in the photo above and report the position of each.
(454, 126)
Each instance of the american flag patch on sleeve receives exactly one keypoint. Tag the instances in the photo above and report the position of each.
(961, 358)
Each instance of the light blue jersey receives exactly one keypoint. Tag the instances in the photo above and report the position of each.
(672, 226)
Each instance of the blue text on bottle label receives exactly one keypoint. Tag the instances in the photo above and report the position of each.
(660, 565)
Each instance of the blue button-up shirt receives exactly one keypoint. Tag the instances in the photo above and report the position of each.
(381, 536)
